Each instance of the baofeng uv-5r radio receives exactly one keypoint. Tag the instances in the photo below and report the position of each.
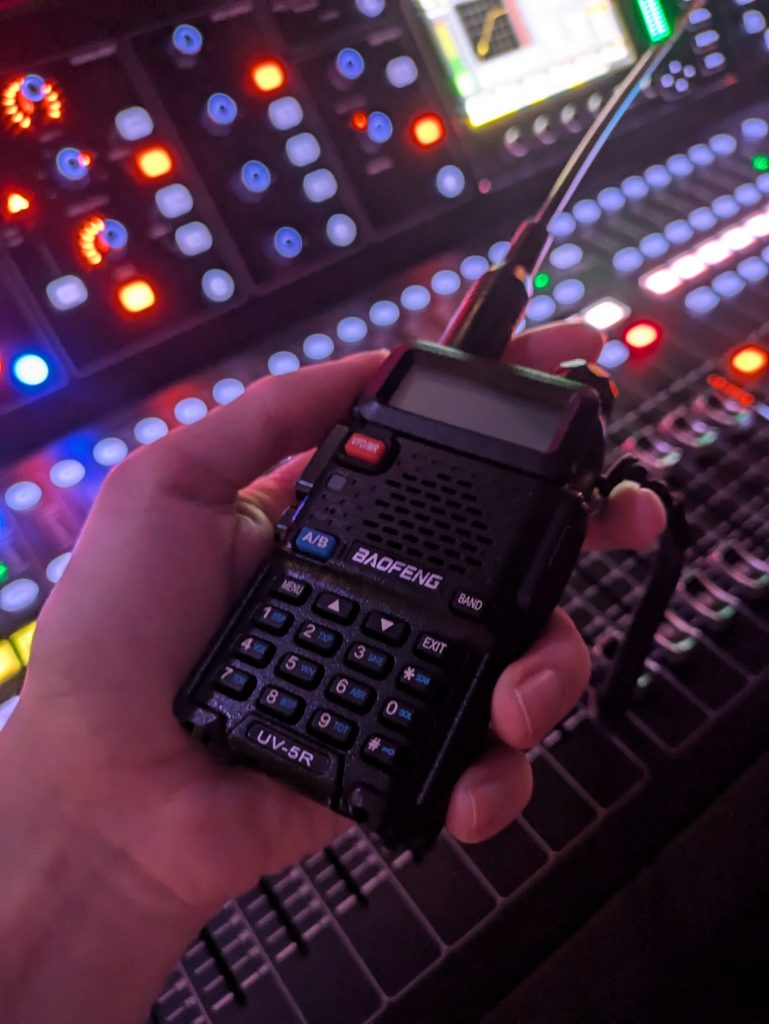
(432, 536)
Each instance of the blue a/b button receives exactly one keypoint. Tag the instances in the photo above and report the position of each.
(316, 543)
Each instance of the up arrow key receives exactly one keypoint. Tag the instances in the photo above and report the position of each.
(379, 626)
(334, 606)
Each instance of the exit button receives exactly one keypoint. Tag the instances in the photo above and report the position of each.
(366, 449)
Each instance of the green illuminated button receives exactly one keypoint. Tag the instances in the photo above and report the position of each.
(655, 19)
(3, 572)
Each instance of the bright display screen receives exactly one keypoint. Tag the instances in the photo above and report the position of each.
(506, 55)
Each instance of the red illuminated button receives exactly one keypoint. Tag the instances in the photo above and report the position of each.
(428, 130)
(365, 449)
(642, 335)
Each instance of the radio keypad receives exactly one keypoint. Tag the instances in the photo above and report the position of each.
(235, 682)
(423, 682)
(254, 649)
(384, 753)
(437, 649)
(292, 590)
(274, 620)
(300, 670)
(370, 660)
(338, 609)
(318, 638)
(351, 694)
(383, 627)
(401, 716)
(280, 704)
(333, 728)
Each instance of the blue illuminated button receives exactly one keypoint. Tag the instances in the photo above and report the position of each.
(728, 285)
(66, 473)
(541, 308)
(351, 329)
(627, 260)
(678, 232)
(753, 269)
(384, 313)
(379, 127)
(30, 369)
(316, 543)
(72, 164)
(401, 72)
(173, 200)
(150, 429)
(114, 237)
(17, 596)
(562, 225)
(134, 123)
(587, 211)
(255, 176)
(701, 155)
(723, 144)
(613, 354)
(658, 176)
(227, 390)
(680, 166)
(285, 113)
(701, 300)
(109, 451)
(654, 246)
(725, 207)
(498, 251)
(288, 242)
(221, 109)
(55, 568)
(569, 292)
(66, 292)
(635, 187)
(187, 40)
(23, 496)
(450, 181)
(755, 128)
(445, 282)
(317, 346)
(302, 149)
(702, 219)
(762, 183)
(282, 362)
(350, 63)
(190, 410)
(341, 230)
(754, 22)
(415, 297)
(193, 238)
(564, 257)
(747, 194)
(319, 185)
(473, 267)
(217, 285)
(610, 199)
(33, 88)
(370, 8)
(714, 61)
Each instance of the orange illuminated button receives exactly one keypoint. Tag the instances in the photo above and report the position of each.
(16, 203)
(268, 76)
(750, 360)
(428, 130)
(642, 335)
(136, 296)
(359, 120)
(154, 162)
(365, 449)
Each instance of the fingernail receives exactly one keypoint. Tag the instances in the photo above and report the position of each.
(540, 698)
(481, 802)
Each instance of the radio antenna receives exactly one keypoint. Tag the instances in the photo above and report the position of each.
(486, 317)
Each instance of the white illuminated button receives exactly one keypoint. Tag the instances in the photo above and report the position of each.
(450, 181)
(302, 149)
(473, 267)
(605, 313)
(193, 238)
(285, 113)
(661, 282)
(415, 297)
(317, 346)
(541, 308)
(401, 71)
(341, 230)
(567, 293)
(319, 185)
(227, 390)
(23, 496)
(66, 473)
(351, 329)
(445, 282)
(613, 354)
(217, 285)
(370, 8)
(109, 451)
(564, 257)
(701, 301)
(55, 568)
(384, 313)
(66, 292)
(190, 410)
(173, 200)
(17, 596)
(150, 429)
(134, 123)
(282, 362)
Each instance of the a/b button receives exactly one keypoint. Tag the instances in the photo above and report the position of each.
(316, 543)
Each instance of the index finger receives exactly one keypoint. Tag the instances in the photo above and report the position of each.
(545, 348)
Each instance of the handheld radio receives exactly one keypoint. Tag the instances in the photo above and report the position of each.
(432, 537)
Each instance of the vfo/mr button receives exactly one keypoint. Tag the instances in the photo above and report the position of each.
(366, 449)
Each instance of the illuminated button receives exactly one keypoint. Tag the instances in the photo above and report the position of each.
(541, 308)
(55, 568)
(19, 595)
(268, 76)
(415, 297)
(227, 390)
(762, 183)
(450, 181)
(6, 710)
(680, 166)
(753, 269)
(154, 162)
(445, 282)
(187, 40)
(319, 185)
(701, 155)
(728, 285)
(66, 292)
(564, 257)
(365, 449)
(150, 429)
(282, 362)
(190, 410)
(747, 194)
(10, 665)
(193, 238)
(110, 451)
(678, 232)
(569, 292)
(30, 369)
(66, 473)
(316, 543)
(473, 267)
(285, 113)
(605, 313)
(287, 242)
(21, 640)
(613, 354)
(562, 225)
(753, 22)
(723, 144)
(72, 164)
(428, 130)
(750, 360)
(587, 211)
(610, 199)
(302, 149)
(173, 200)
(23, 496)
(725, 207)
(217, 285)
(221, 109)
(341, 230)
(255, 176)
(702, 219)
(401, 72)
(15, 204)
(658, 176)
(755, 128)
(370, 8)
(350, 63)
(134, 123)
(317, 346)
(626, 261)
(379, 127)
(351, 329)
(642, 335)
(654, 245)
(136, 296)
(635, 187)
(498, 251)
(701, 300)
(384, 313)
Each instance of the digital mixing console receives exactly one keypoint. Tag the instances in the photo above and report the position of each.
(190, 201)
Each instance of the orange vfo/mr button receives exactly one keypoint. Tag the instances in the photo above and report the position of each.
(750, 360)
(136, 296)
(365, 449)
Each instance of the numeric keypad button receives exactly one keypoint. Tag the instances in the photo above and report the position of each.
(385, 754)
(351, 694)
(369, 660)
(385, 627)
(336, 608)
(318, 638)
(274, 620)
(332, 728)
(235, 682)
(254, 649)
(300, 670)
(280, 704)
(421, 681)
(401, 716)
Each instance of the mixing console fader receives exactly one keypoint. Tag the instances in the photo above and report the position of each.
(192, 199)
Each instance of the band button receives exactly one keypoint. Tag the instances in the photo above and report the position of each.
(464, 602)
(316, 543)
(366, 449)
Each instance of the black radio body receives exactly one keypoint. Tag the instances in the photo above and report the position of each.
(432, 538)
